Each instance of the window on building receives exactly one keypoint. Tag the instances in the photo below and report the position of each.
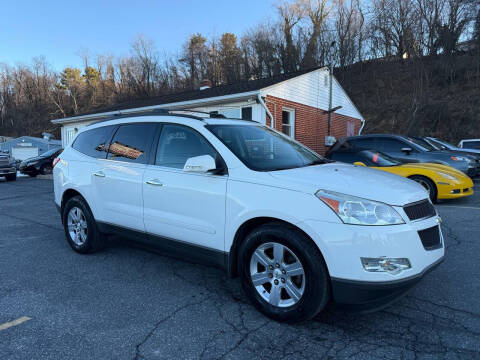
(132, 142)
(94, 142)
(288, 122)
(179, 143)
(247, 113)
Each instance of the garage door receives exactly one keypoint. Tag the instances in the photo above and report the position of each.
(22, 153)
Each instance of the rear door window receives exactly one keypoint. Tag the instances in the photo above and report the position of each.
(94, 142)
(132, 143)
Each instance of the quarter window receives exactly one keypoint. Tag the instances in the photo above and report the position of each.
(94, 142)
(179, 143)
(132, 142)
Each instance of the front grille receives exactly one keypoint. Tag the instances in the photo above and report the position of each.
(4, 160)
(419, 210)
(430, 238)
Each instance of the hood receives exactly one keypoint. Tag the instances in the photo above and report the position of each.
(435, 167)
(353, 180)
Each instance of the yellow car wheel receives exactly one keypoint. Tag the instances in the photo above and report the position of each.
(428, 184)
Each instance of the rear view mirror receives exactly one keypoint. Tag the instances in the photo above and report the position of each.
(359, 163)
(407, 150)
(200, 164)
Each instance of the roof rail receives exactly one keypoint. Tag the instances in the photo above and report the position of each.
(165, 112)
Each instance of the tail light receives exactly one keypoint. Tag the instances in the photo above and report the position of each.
(55, 161)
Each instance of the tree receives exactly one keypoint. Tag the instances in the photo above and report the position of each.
(317, 12)
(71, 80)
(194, 57)
(229, 58)
(291, 14)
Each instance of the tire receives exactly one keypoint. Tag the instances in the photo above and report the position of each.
(311, 288)
(428, 184)
(88, 238)
(32, 175)
(46, 169)
(11, 177)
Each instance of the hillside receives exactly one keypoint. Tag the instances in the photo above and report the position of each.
(428, 96)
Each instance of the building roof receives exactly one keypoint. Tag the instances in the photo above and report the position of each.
(192, 95)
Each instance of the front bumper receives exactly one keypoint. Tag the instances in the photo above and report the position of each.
(454, 191)
(369, 296)
(343, 246)
(8, 171)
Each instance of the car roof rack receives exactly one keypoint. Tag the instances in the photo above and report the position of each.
(165, 112)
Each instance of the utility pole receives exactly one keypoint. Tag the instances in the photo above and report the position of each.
(330, 92)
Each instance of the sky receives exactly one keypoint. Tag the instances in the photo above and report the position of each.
(61, 30)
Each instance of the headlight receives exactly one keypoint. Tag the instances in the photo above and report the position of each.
(358, 211)
(31, 163)
(460, 158)
(447, 176)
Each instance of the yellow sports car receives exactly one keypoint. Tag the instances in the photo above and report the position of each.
(441, 181)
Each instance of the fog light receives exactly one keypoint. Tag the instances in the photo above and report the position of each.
(383, 264)
(456, 191)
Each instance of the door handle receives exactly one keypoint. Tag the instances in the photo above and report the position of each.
(99, 174)
(154, 182)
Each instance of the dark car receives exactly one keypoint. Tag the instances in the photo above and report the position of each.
(41, 164)
(458, 152)
(408, 150)
(7, 167)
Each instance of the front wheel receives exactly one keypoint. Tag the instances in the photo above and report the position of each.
(11, 177)
(80, 227)
(283, 273)
(428, 184)
(46, 169)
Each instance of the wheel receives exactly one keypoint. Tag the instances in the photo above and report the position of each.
(32, 175)
(80, 227)
(283, 273)
(11, 177)
(46, 169)
(428, 184)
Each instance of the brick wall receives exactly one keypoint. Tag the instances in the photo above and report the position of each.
(311, 124)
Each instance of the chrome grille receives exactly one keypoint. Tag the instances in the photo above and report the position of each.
(4, 161)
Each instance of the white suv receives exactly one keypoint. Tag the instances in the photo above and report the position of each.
(298, 229)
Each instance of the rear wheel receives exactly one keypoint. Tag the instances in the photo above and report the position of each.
(283, 273)
(428, 184)
(80, 227)
(11, 177)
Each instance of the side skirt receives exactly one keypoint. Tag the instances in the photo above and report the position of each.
(171, 247)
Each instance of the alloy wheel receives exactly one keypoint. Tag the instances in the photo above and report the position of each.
(277, 274)
(77, 226)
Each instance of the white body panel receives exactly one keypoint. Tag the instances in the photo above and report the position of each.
(185, 206)
(207, 209)
(22, 153)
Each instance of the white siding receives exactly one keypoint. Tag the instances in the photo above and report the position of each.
(70, 130)
(312, 89)
(235, 110)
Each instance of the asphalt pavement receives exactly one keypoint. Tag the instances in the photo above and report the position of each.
(127, 303)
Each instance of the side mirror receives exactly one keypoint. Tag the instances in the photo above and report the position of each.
(359, 163)
(407, 150)
(200, 164)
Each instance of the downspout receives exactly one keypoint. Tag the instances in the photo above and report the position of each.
(272, 120)
(361, 127)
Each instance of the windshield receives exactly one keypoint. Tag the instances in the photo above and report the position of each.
(441, 145)
(263, 149)
(375, 158)
(422, 143)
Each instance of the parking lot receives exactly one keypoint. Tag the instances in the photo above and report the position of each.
(127, 303)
